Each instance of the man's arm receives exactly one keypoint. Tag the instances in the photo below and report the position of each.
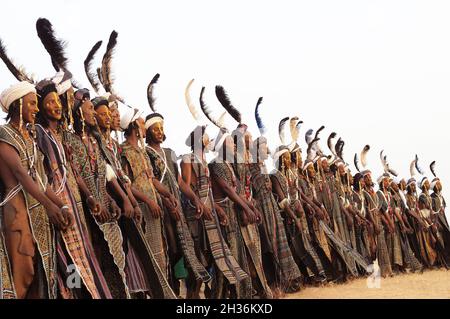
(12, 161)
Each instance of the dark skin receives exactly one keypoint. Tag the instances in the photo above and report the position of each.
(152, 205)
(389, 222)
(93, 204)
(191, 179)
(404, 225)
(100, 213)
(129, 204)
(12, 172)
(157, 137)
(221, 189)
(316, 206)
(411, 189)
(368, 186)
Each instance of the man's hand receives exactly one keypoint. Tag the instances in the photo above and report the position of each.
(93, 205)
(198, 208)
(173, 201)
(56, 217)
(207, 213)
(222, 216)
(154, 208)
(115, 210)
(138, 214)
(128, 209)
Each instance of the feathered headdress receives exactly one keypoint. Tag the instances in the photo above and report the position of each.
(18, 72)
(223, 98)
(190, 103)
(55, 47)
(292, 125)
(150, 96)
(105, 73)
(339, 148)
(282, 131)
(259, 122)
(356, 162)
(432, 168)
(208, 113)
(92, 77)
(364, 153)
(331, 145)
(418, 167)
(412, 168)
(385, 164)
(309, 136)
(310, 151)
(316, 144)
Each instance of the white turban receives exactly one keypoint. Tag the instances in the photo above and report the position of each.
(128, 117)
(15, 92)
(62, 82)
(153, 120)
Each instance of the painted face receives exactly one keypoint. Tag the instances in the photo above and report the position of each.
(29, 108)
(386, 183)
(89, 113)
(52, 106)
(115, 118)
(325, 166)
(438, 186)
(286, 158)
(311, 171)
(103, 117)
(157, 132)
(368, 180)
(402, 185)
(394, 186)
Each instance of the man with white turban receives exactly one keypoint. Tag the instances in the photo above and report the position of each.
(28, 203)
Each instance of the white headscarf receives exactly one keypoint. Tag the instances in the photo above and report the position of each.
(15, 92)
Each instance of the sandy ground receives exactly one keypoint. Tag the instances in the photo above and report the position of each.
(432, 284)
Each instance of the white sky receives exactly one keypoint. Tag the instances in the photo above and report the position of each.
(376, 72)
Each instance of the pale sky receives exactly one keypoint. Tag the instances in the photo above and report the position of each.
(375, 72)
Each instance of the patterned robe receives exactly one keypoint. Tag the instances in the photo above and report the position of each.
(142, 268)
(107, 239)
(25, 216)
(327, 194)
(427, 252)
(373, 205)
(393, 241)
(75, 239)
(137, 165)
(273, 224)
(207, 234)
(439, 205)
(364, 240)
(166, 171)
(300, 240)
(250, 232)
(409, 257)
(232, 231)
(426, 201)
